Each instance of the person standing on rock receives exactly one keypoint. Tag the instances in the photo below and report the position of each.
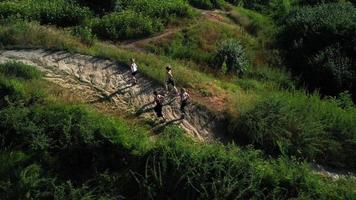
(184, 100)
(170, 79)
(134, 70)
(159, 105)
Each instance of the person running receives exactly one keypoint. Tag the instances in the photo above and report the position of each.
(170, 79)
(184, 100)
(159, 105)
(134, 70)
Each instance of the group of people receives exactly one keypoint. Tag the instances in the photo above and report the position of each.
(159, 98)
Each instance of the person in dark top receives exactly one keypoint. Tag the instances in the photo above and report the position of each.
(184, 99)
(159, 105)
(134, 70)
(170, 79)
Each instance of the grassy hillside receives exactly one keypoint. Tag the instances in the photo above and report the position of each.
(53, 150)
(273, 107)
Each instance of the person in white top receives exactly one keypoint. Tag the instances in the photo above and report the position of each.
(134, 70)
(184, 100)
(170, 79)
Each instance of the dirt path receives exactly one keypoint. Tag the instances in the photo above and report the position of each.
(212, 15)
(138, 45)
(102, 80)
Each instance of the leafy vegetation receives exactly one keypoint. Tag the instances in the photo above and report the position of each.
(99, 6)
(207, 4)
(163, 10)
(230, 57)
(19, 70)
(57, 12)
(295, 124)
(318, 43)
(116, 20)
(125, 25)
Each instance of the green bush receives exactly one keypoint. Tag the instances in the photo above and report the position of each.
(258, 5)
(85, 34)
(15, 92)
(318, 44)
(315, 2)
(207, 4)
(19, 70)
(232, 54)
(125, 25)
(99, 6)
(11, 91)
(297, 125)
(179, 169)
(164, 10)
(19, 179)
(279, 9)
(57, 12)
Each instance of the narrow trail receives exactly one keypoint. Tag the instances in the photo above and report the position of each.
(138, 44)
(212, 15)
(101, 80)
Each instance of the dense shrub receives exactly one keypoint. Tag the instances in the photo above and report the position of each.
(231, 53)
(156, 8)
(10, 91)
(250, 4)
(314, 2)
(189, 171)
(99, 6)
(125, 25)
(301, 126)
(207, 4)
(279, 9)
(19, 70)
(85, 34)
(73, 135)
(15, 92)
(22, 180)
(57, 12)
(318, 43)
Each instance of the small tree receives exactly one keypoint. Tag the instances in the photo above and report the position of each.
(231, 54)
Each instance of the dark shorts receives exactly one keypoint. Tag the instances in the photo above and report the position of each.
(183, 105)
(170, 81)
(134, 73)
(158, 110)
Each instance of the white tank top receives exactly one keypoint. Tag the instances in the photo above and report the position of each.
(133, 67)
(185, 96)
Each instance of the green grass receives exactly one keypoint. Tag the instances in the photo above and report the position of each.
(50, 150)
(198, 42)
(296, 124)
(57, 12)
(19, 70)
